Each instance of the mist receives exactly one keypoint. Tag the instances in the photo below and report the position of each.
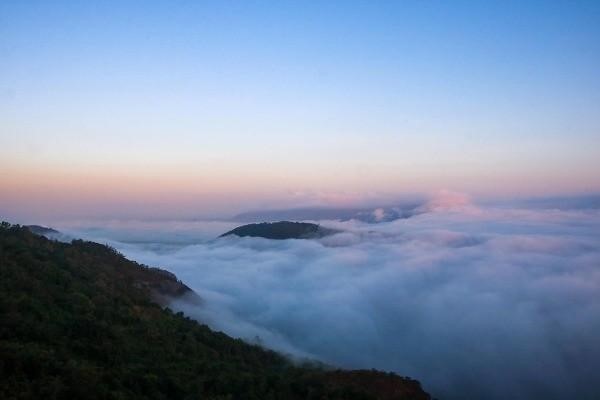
(475, 302)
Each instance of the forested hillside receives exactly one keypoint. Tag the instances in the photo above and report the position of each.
(282, 230)
(79, 321)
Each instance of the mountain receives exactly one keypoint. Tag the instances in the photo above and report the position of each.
(49, 233)
(162, 286)
(281, 230)
(80, 321)
(369, 215)
(41, 230)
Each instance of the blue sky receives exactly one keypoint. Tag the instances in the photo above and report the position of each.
(260, 99)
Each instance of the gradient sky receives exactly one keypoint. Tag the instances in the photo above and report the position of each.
(192, 108)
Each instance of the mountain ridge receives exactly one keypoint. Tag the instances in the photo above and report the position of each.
(374, 214)
(77, 323)
(281, 230)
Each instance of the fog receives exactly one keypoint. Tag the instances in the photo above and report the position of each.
(475, 302)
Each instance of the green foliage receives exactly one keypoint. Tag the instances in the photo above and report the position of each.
(281, 230)
(76, 323)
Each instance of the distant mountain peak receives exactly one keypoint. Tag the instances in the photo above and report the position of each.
(365, 214)
(281, 230)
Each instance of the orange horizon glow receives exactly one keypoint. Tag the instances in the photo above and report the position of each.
(187, 190)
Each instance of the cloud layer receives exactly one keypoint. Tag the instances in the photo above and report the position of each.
(474, 302)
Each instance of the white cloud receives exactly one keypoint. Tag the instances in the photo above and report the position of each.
(491, 304)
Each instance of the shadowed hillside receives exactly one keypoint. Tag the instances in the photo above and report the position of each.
(81, 321)
(41, 230)
(281, 230)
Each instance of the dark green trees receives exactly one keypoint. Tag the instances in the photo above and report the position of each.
(79, 321)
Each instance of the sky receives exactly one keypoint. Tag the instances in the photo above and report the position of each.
(212, 108)
(145, 125)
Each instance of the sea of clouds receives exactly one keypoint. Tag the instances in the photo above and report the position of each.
(475, 302)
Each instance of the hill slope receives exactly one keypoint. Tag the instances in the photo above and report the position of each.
(80, 321)
(281, 230)
(41, 230)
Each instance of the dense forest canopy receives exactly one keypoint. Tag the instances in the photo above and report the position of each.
(282, 230)
(80, 321)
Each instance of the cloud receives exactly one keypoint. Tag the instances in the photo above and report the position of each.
(445, 200)
(474, 302)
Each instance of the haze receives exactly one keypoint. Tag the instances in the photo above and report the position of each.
(476, 302)
(197, 108)
(454, 146)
